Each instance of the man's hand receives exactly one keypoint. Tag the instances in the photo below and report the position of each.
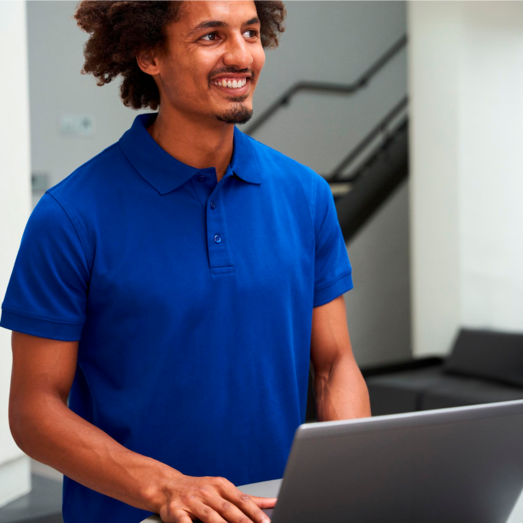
(211, 500)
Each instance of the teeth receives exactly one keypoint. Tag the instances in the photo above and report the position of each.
(232, 84)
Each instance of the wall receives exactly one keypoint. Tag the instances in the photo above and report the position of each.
(378, 308)
(323, 41)
(57, 89)
(332, 42)
(337, 42)
(491, 165)
(15, 206)
(466, 84)
(434, 152)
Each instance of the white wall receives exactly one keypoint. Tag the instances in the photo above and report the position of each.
(15, 205)
(466, 85)
(434, 162)
(491, 165)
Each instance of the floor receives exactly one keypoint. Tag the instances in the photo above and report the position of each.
(42, 505)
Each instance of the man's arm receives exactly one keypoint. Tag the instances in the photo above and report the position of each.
(46, 429)
(341, 391)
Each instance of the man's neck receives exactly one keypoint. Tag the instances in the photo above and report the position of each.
(194, 143)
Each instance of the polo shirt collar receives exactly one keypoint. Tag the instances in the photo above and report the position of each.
(165, 173)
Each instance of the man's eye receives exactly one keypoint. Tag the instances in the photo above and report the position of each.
(209, 34)
(254, 31)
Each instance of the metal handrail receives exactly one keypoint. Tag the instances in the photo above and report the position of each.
(285, 98)
(371, 159)
(379, 179)
(336, 175)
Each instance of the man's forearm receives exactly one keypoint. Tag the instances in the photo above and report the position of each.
(341, 393)
(52, 434)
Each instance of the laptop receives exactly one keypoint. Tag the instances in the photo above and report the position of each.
(453, 465)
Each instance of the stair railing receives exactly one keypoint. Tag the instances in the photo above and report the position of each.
(327, 88)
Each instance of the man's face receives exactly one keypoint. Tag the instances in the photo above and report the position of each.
(213, 42)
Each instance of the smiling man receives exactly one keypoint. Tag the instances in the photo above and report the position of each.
(169, 294)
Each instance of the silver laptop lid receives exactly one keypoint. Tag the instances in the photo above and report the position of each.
(462, 464)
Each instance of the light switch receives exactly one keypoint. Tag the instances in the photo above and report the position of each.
(39, 182)
(77, 125)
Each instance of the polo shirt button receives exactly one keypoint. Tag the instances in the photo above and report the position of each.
(213, 205)
(217, 238)
(201, 178)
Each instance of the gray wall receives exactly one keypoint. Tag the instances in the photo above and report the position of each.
(378, 308)
(324, 41)
(331, 42)
(56, 88)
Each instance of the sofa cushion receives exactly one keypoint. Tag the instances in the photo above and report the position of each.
(457, 391)
(400, 391)
(488, 354)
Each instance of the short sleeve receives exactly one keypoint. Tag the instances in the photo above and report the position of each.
(333, 271)
(47, 292)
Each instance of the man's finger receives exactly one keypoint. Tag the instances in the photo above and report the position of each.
(206, 513)
(264, 502)
(237, 512)
(246, 504)
(182, 517)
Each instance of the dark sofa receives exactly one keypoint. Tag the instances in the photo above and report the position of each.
(483, 367)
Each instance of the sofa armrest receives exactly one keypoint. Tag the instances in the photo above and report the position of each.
(400, 366)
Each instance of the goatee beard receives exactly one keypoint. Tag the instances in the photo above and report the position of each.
(239, 114)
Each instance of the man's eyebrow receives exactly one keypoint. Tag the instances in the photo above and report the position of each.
(217, 23)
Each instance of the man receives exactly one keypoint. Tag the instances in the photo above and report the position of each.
(176, 285)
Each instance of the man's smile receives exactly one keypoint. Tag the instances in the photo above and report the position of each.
(235, 86)
(231, 82)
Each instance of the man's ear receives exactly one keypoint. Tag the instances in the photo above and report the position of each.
(148, 62)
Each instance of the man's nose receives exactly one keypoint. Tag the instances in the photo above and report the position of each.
(238, 53)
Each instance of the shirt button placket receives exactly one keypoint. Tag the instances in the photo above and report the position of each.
(219, 251)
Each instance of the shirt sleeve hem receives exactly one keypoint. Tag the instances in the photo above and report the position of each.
(54, 330)
(339, 286)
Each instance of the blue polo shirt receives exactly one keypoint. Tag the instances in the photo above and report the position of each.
(191, 301)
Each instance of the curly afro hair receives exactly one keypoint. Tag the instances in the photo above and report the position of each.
(120, 30)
